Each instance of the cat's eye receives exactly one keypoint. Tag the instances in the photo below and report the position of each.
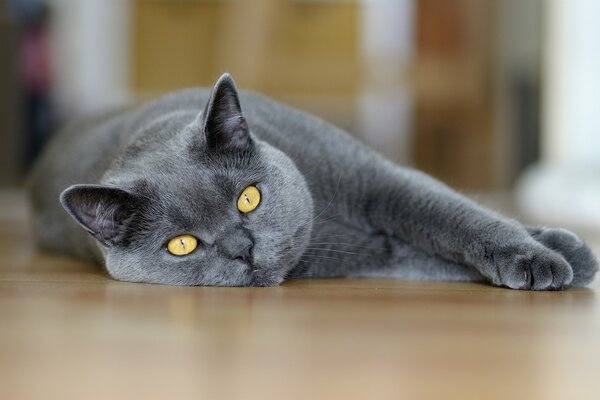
(182, 245)
(249, 199)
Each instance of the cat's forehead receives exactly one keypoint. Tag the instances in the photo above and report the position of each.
(206, 183)
(188, 201)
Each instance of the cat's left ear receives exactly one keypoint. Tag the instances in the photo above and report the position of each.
(224, 125)
(105, 212)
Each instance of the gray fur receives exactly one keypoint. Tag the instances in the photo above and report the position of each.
(330, 206)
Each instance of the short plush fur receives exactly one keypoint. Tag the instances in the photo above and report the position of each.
(330, 206)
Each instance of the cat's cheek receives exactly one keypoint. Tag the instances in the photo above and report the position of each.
(124, 268)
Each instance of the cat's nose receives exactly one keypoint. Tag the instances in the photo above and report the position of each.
(245, 255)
(238, 246)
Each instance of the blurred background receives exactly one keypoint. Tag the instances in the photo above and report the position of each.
(491, 96)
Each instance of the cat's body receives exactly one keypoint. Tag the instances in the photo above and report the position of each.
(330, 206)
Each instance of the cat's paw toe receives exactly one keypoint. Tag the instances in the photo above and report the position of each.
(536, 269)
(574, 250)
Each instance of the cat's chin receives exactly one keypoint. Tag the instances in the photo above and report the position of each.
(265, 277)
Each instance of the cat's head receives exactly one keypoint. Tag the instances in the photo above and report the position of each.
(211, 205)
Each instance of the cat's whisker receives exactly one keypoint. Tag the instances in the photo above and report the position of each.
(301, 269)
(348, 244)
(326, 235)
(336, 251)
(318, 256)
(323, 221)
(330, 201)
(329, 237)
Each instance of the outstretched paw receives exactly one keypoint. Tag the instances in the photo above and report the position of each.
(573, 249)
(531, 266)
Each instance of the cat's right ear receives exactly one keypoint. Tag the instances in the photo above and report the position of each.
(103, 211)
(223, 123)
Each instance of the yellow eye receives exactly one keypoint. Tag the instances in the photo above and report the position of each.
(249, 199)
(182, 245)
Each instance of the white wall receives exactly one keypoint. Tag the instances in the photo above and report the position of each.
(386, 102)
(572, 76)
(564, 189)
(91, 49)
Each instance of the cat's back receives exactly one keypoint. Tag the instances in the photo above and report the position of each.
(79, 153)
(85, 149)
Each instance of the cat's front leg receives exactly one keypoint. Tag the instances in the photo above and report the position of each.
(427, 214)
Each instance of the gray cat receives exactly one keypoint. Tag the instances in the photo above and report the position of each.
(187, 190)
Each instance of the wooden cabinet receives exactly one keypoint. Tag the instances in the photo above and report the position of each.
(277, 47)
(453, 86)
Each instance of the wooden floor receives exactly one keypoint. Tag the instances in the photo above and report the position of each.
(69, 332)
